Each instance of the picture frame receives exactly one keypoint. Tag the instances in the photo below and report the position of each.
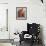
(21, 13)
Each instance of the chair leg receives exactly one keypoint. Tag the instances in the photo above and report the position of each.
(20, 42)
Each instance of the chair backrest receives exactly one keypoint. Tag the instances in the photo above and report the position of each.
(33, 28)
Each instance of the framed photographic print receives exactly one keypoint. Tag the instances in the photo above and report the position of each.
(21, 13)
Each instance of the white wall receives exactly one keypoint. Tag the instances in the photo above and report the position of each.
(3, 21)
(4, 34)
(3, 14)
(3, 1)
(35, 13)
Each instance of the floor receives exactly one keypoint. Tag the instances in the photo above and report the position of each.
(27, 44)
(23, 43)
(6, 44)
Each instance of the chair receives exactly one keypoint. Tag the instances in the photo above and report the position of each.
(33, 30)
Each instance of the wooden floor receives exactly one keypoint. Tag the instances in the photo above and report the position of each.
(29, 44)
(6, 40)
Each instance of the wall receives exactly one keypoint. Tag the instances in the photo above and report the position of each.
(4, 34)
(3, 21)
(44, 31)
(3, 1)
(3, 7)
(35, 14)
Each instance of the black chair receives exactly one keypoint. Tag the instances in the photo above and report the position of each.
(32, 29)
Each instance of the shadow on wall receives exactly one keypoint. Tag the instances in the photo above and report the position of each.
(41, 34)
